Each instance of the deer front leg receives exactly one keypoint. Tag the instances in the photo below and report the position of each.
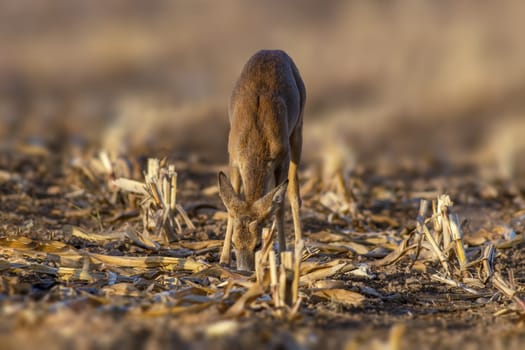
(226, 247)
(296, 142)
(279, 221)
(280, 176)
(295, 200)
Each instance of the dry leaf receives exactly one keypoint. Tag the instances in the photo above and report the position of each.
(142, 239)
(202, 245)
(321, 273)
(151, 261)
(355, 247)
(328, 248)
(326, 237)
(327, 284)
(240, 305)
(130, 186)
(93, 237)
(340, 296)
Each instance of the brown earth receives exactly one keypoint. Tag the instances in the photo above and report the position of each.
(50, 310)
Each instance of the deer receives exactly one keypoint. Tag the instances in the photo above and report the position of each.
(264, 147)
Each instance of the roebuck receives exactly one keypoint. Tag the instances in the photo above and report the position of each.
(264, 145)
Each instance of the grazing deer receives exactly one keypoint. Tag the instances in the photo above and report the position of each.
(264, 144)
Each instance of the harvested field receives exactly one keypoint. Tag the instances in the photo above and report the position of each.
(114, 128)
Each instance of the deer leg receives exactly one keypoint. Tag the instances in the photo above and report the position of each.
(226, 247)
(280, 176)
(293, 178)
(295, 200)
(235, 179)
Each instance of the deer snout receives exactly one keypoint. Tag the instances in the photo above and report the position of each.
(245, 259)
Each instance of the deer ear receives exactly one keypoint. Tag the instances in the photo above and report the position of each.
(270, 201)
(230, 199)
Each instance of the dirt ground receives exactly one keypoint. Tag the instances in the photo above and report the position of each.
(442, 115)
(49, 309)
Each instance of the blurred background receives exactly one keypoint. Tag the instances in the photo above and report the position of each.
(435, 83)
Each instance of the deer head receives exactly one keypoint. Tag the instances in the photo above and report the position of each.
(247, 219)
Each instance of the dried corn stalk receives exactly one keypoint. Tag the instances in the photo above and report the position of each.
(161, 215)
(445, 239)
(508, 288)
(281, 281)
(446, 233)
